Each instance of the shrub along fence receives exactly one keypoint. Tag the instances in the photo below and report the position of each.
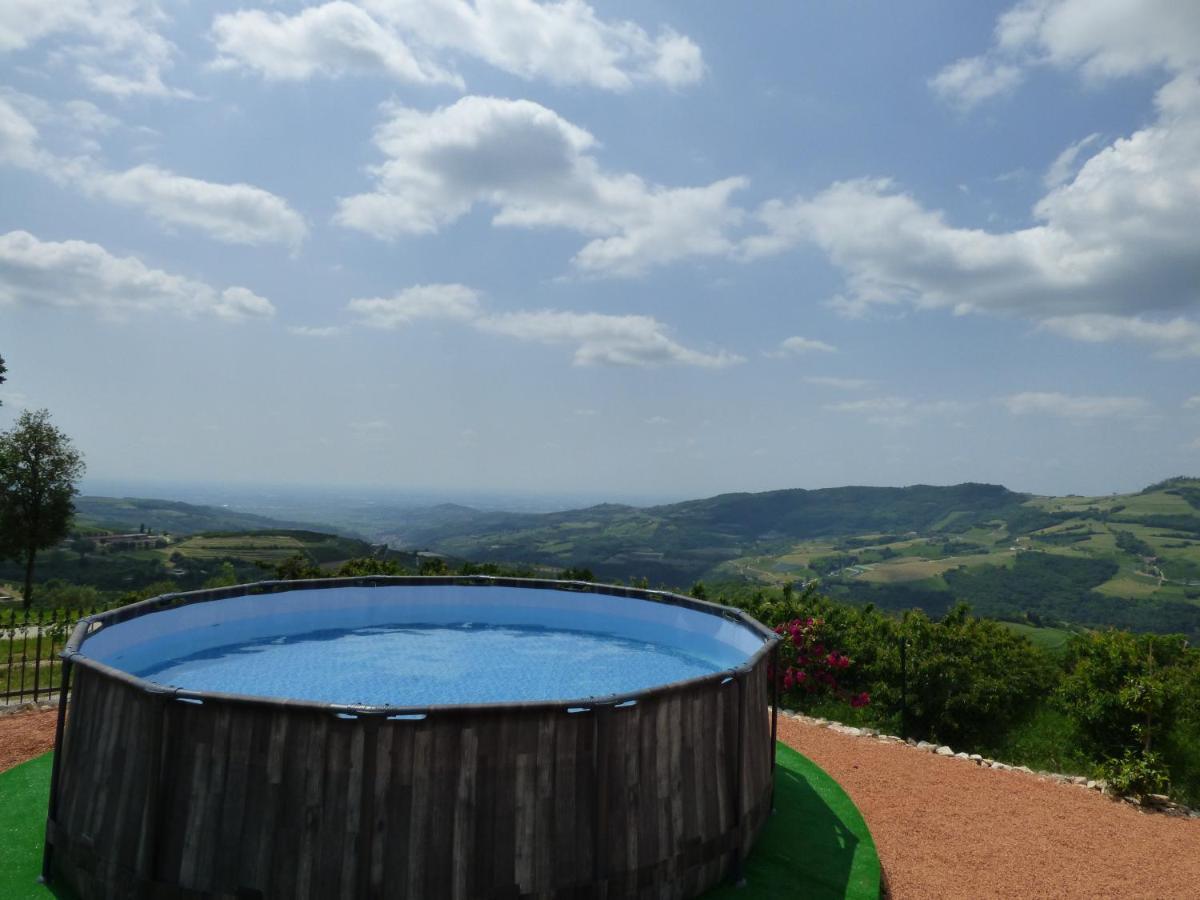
(30, 642)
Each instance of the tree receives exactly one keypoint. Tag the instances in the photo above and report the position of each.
(38, 469)
(3, 369)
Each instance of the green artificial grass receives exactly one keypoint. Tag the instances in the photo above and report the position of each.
(815, 845)
(23, 793)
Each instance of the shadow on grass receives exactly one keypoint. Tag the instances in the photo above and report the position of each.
(815, 845)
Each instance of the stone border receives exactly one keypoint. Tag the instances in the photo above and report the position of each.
(1158, 803)
(12, 709)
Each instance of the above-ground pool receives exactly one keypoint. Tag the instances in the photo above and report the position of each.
(412, 737)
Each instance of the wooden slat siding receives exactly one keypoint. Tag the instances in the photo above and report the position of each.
(629, 756)
(506, 804)
(398, 808)
(284, 858)
(324, 874)
(166, 848)
(377, 782)
(439, 821)
(566, 780)
(543, 804)
(356, 876)
(464, 879)
(118, 773)
(486, 774)
(140, 753)
(580, 819)
(233, 857)
(679, 827)
(196, 772)
(265, 799)
(648, 843)
(76, 751)
(102, 822)
(419, 809)
(525, 805)
(101, 752)
(316, 773)
(210, 832)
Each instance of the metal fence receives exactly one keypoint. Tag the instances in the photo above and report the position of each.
(30, 641)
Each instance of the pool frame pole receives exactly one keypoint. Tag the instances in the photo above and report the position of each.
(52, 810)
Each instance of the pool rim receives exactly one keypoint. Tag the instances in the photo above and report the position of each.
(86, 627)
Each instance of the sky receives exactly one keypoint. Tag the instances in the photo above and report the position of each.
(627, 249)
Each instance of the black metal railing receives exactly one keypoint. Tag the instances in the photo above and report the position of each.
(30, 643)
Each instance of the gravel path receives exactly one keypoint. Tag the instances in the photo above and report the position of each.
(944, 827)
(947, 828)
(26, 735)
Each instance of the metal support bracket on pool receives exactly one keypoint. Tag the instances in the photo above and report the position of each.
(157, 788)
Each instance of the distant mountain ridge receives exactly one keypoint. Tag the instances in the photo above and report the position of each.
(680, 541)
(176, 517)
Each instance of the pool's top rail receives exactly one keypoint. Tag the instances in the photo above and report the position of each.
(89, 627)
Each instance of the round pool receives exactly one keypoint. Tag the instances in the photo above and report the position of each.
(412, 737)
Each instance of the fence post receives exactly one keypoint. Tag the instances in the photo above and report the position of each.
(37, 656)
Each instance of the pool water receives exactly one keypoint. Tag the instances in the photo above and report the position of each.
(430, 664)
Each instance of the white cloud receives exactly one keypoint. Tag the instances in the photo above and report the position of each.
(899, 411)
(842, 384)
(333, 39)
(604, 339)
(233, 213)
(564, 43)
(1063, 168)
(598, 339)
(1073, 407)
(972, 80)
(422, 301)
(82, 275)
(19, 144)
(316, 331)
(1170, 338)
(797, 346)
(1102, 38)
(1192, 402)
(1120, 239)
(536, 170)
(116, 45)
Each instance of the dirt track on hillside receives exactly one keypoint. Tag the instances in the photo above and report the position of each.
(945, 827)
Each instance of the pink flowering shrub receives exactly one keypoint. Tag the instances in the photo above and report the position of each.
(807, 666)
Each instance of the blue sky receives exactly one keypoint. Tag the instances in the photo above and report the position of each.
(632, 248)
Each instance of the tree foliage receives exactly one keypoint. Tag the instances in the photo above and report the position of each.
(39, 467)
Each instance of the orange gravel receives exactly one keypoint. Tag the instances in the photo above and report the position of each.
(26, 735)
(945, 827)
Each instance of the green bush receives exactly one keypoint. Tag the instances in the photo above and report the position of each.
(1136, 774)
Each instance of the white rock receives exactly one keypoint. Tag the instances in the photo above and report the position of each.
(1078, 779)
(975, 757)
(1025, 769)
(1003, 767)
(925, 745)
(944, 751)
(961, 755)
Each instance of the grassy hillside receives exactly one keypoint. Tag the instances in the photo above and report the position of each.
(173, 517)
(1128, 560)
